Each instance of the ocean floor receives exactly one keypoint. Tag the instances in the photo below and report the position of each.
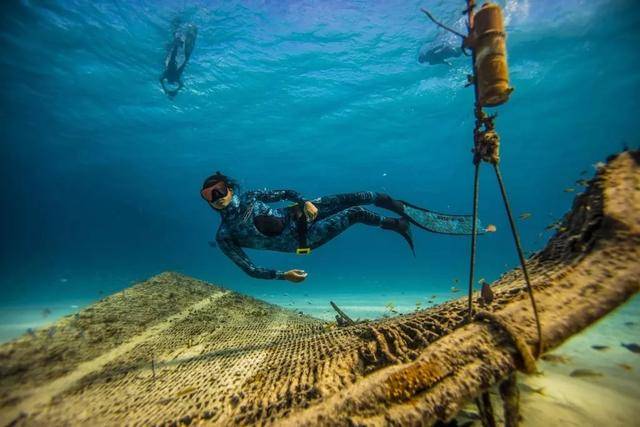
(590, 380)
(18, 319)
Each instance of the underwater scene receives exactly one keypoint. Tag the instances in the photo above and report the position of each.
(306, 212)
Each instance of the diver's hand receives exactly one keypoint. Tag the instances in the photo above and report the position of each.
(295, 275)
(310, 210)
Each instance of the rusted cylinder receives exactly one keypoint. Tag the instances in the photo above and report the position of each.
(492, 72)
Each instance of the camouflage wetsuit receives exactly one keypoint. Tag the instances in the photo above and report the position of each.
(248, 222)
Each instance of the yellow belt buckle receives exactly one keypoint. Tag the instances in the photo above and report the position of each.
(303, 251)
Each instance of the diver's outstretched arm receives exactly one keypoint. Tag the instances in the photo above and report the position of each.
(240, 258)
(270, 196)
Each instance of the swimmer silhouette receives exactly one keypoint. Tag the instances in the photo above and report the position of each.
(180, 49)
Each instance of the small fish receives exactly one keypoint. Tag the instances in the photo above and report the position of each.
(600, 347)
(583, 182)
(46, 312)
(625, 366)
(433, 297)
(584, 373)
(629, 323)
(632, 347)
(454, 289)
(212, 243)
(486, 293)
(598, 165)
(490, 228)
(31, 332)
(74, 306)
(456, 280)
(554, 226)
(583, 172)
(555, 358)
(64, 280)
(569, 190)
(384, 174)
(525, 215)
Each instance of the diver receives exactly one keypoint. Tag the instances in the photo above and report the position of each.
(439, 55)
(249, 222)
(184, 39)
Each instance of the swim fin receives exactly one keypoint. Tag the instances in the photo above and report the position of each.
(402, 227)
(437, 222)
(429, 220)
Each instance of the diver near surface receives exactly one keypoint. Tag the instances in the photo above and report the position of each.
(249, 222)
(439, 55)
(184, 39)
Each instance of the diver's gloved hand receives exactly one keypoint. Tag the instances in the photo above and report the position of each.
(310, 210)
(295, 275)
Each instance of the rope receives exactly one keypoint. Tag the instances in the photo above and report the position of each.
(441, 25)
(474, 237)
(523, 264)
(528, 361)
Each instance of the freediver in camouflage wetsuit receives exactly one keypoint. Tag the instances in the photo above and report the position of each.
(249, 222)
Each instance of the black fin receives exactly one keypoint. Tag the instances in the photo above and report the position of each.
(401, 226)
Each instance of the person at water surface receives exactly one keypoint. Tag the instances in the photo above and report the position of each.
(184, 39)
(249, 222)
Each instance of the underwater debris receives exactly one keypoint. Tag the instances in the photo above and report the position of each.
(341, 318)
(584, 373)
(525, 216)
(600, 347)
(632, 347)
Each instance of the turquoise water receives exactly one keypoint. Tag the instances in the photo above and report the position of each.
(101, 172)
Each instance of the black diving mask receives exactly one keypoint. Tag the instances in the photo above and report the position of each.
(215, 192)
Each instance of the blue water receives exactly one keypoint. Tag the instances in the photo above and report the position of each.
(100, 172)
